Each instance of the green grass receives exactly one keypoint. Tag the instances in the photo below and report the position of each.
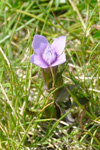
(26, 120)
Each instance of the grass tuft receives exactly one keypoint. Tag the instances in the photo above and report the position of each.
(27, 113)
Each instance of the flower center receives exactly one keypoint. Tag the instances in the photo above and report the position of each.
(49, 56)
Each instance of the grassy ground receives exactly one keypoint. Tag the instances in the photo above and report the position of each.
(25, 124)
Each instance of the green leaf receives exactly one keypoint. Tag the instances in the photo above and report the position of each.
(97, 35)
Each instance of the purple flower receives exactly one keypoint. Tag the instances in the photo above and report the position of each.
(48, 55)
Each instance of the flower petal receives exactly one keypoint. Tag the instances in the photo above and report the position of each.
(60, 60)
(49, 56)
(37, 60)
(59, 44)
(39, 44)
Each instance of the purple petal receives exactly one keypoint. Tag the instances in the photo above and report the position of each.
(59, 44)
(60, 60)
(39, 44)
(37, 60)
(49, 56)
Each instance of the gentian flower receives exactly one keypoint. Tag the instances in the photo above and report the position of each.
(48, 55)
